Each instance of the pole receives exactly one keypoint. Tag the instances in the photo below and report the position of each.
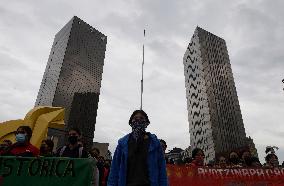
(142, 79)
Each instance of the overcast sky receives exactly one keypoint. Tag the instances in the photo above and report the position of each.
(253, 30)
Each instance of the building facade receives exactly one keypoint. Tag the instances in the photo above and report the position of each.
(103, 148)
(72, 78)
(174, 156)
(186, 153)
(251, 147)
(214, 115)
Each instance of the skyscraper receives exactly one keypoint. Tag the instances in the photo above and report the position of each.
(214, 115)
(72, 78)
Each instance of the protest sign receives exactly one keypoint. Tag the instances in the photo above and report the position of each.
(45, 171)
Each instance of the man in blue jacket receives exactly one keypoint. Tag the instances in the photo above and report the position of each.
(138, 159)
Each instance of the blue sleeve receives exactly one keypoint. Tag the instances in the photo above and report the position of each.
(163, 179)
(115, 165)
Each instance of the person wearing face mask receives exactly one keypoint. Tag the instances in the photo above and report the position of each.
(23, 147)
(271, 161)
(72, 149)
(234, 160)
(222, 162)
(246, 156)
(198, 157)
(138, 159)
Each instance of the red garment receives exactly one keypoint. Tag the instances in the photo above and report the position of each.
(27, 150)
(105, 176)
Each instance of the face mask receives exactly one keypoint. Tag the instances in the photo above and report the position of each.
(21, 138)
(138, 129)
(247, 160)
(234, 160)
(73, 139)
(199, 160)
(42, 149)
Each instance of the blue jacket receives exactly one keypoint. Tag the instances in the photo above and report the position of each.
(156, 163)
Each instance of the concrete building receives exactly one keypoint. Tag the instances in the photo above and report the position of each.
(103, 148)
(174, 156)
(214, 115)
(251, 147)
(72, 78)
(186, 153)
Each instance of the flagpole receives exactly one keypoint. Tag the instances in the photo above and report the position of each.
(142, 79)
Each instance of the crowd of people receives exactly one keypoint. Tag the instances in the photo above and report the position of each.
(139, 158)
(234, 160)
(74, 149)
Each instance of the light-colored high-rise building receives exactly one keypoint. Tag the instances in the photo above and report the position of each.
(214, 115)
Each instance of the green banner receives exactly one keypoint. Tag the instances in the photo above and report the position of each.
(17, 171)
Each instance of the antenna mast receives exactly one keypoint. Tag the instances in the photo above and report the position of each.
(142, 75)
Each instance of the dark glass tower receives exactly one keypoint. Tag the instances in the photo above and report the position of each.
(72, 78)
(214, 115)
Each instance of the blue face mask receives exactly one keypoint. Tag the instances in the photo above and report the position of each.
(20, 138)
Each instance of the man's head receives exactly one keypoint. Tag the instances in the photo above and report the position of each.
(23, 134)
(138, 122)
(46, 147)
(139, 116)
(233, 154)
(95, 152)
(246, 155)
(163, 145)
(74, 135)
(197, 152)
(107, 163)
(222, 161)
(234, 158)
(198, 156)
